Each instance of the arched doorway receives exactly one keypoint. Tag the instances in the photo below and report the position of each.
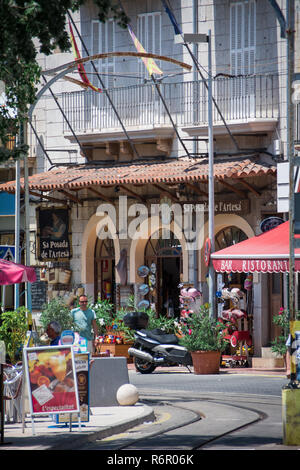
(228, 236)
(163, 251)
(104, 270)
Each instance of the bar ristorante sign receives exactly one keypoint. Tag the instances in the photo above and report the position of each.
(53, 236)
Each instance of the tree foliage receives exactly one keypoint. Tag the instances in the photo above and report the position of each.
(23, 25)
(13, 331)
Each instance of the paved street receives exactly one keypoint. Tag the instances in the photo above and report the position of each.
(218, 412)
(181, 379)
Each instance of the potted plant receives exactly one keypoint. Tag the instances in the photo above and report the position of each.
(278, 345)
(203, 336)
(281, 319)
(104, 311)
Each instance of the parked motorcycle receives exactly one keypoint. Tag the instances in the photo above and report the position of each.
(153, 348)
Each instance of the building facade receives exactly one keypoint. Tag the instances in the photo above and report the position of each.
(109, 165)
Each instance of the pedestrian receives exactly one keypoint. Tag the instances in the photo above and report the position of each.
(85, 321)
(53, 332)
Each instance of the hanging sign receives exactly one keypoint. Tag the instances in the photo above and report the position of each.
(53, 235)
(270, 222)
(51, 379)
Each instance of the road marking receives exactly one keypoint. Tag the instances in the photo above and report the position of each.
(162, 419)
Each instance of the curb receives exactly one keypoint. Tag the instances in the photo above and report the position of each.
(70, 441)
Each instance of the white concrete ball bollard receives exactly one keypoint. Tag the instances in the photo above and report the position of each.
(127, 394)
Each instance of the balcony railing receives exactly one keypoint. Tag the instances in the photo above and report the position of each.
(297, 124)
(239, 99)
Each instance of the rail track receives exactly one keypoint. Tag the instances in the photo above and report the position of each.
(197, 422)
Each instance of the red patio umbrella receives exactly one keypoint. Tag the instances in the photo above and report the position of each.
(267, 253)
(13, 273)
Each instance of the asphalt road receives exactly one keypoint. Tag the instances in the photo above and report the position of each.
(219, 383)
(193, 412)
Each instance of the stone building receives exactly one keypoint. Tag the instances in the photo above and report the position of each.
(114, 162)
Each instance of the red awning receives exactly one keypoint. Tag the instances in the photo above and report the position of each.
(12, 273)
(266, 253)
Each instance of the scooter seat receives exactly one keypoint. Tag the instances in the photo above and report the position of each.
(161, 336)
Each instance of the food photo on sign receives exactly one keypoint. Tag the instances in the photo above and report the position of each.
(51, 380)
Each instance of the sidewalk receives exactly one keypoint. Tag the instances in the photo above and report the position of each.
(280, 372)
(103, 422)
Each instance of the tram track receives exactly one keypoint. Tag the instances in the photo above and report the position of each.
(198, 416)
(191, 426)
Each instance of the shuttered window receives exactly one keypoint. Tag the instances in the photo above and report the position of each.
(149, 35)
(243, 39)
(103, 40)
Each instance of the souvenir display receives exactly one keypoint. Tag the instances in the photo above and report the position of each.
(143, 271)
(143, 289)
(143, 304)
(153, 268)
(248, 282)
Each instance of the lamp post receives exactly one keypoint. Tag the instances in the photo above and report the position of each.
(195, 38)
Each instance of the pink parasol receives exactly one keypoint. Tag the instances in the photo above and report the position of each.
(12, 273)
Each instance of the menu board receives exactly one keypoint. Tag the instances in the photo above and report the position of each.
(82, 375)
(38, 292)
(51, 379)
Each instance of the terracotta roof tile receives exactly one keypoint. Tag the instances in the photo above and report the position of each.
(166, 171)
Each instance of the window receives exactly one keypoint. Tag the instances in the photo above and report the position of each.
(242, 44)
(103, 40)
(243, 29)
(149, 35)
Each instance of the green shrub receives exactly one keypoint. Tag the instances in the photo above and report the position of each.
(104, 311)
(13, 332)
(56, 310)
(202, 333)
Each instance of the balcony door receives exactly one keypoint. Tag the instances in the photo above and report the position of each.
(149, 35)
(97, 104)
(242, 57)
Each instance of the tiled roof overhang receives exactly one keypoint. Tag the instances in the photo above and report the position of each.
(165, 171)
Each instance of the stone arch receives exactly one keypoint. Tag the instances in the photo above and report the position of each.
(89, 238)
(221, 221)
(137, 248)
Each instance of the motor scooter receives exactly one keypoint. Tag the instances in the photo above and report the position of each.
(153, 348)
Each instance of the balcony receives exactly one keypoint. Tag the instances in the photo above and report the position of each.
(247, 103)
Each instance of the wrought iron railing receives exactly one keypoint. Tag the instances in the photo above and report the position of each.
(238, 99)
(297, 124)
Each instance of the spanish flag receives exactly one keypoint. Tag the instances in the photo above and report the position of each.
(80, 67)
(149, 63)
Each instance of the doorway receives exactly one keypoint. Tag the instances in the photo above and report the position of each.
(163, 252)
(104, 270)
(275, 289)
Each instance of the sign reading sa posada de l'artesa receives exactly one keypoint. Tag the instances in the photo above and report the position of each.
(53, 234)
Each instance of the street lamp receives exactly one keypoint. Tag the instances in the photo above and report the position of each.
(193, 38)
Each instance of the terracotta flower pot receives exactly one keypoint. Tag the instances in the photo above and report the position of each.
(206, 362)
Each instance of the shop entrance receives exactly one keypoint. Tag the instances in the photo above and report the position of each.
(227, 237)
(104, 270)
(163, 255)
(242, 330)
(275, 289)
